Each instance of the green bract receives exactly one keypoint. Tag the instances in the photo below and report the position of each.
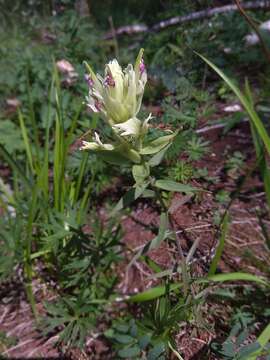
(117, 95)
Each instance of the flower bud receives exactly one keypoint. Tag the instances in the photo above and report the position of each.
(118, 95)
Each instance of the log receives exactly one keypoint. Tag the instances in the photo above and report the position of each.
(177, 20)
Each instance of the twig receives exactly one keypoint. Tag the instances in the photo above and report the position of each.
(142, 28)
(48, 342)
(28, 341)
(209, 13)
(114, 36)
(213, 127)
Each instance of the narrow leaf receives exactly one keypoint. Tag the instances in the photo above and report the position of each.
(153, 293)
(170, 185)
(246, 104)
(220, 247)
(157, 144)
(238, 276)
(132, 194)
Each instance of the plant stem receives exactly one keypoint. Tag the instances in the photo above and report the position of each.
(178, 243)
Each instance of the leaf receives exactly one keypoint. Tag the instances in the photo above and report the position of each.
(157, 158)
(265, 336)
(27, 143)
(10, 136)
(221, 244)
(148, 193)
(15, 166)
(170, 185)
(238, 276)
(122, 328)
(113, 157)
(156, 351)
(246, 351)
(245, 102)
(123, 339)
(132, 195)
(153, 293)
(140, 173)
(144, 341)
(129, 352)
(263, 340)
(157, 144)
(260, 151)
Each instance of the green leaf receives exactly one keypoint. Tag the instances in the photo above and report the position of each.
(170, 185)
(221, 244)
(156, 351)
(148, 193)
(15, 166)
(245, 102)
(124, 339)
(153, 293)
(132, 194)
(157, 144)
(144, 341)
(113, 157)
(245, 352)
(10, 136)
(140, 173)
(129, 352)
(263, 340)
(260, 150)
(27, 144)
(123, 328)
(157, 158)
(238, 276)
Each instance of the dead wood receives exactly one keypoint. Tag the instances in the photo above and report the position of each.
(177, 20)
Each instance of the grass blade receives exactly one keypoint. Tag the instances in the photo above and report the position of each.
(153, 293)
(246, 104)
(26, 141)
(15, 166)
(238, 276)
(221, 244)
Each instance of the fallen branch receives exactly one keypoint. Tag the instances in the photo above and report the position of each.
(141, 28)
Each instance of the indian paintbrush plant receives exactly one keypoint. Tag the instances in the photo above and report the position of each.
(117, 97)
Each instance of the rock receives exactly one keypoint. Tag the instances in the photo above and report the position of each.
(67, 69)
(252, 39)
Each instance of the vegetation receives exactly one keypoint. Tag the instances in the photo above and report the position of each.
(130, 204)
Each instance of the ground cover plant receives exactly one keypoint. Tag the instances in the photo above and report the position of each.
(134, 209)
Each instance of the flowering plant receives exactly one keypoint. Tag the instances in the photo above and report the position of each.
(117, 97)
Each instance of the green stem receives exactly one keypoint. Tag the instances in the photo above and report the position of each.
(185, 275)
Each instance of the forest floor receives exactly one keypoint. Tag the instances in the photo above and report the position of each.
(194, 219)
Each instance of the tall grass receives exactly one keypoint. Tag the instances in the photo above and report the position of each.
(44, 188)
